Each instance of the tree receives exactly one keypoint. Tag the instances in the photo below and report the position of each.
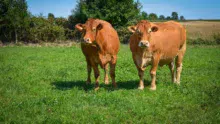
(51, 18)
(152, 16)
(144, 15)
(174, 16)
(15, 17)
(182, 18)
(162, 17)
(168, 18)
(117, 12)
(60, 21)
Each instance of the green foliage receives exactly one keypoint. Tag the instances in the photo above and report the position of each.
(42, 30)
(17, 24)
(47, 85)
(60, 21)
(161, 17)
(182, 18)
(144, 15)
(51, 18)
(200, 41)
(216, 38)
(14, 19)
(168, 18)
(174, 16)
(117, 12)
(124, 34)
(152, 16)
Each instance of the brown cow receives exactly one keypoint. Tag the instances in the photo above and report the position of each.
(100, 46)
(158, 44)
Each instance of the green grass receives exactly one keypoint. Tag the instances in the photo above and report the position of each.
(47, 85)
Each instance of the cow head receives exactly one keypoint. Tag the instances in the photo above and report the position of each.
(89, 30)
(143, 31)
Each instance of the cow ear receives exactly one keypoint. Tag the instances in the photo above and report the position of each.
(79, 27)
(154, 29)
(99, 27)
(132, 28)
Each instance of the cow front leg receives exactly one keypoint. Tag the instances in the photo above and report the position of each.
(89, 70)
(153, 73)
(173, 74)
(106, 80)
(141, 76)
(97, 75)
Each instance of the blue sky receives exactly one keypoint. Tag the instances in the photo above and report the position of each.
(191, 9)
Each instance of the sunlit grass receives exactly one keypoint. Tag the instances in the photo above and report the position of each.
(47, 84)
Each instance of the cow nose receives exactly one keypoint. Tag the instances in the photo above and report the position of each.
(87, 40)
(144, 44)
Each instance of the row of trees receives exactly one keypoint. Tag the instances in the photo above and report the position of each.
(17, 24)
(153, 16)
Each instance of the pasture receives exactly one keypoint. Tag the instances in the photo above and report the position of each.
(47, 85)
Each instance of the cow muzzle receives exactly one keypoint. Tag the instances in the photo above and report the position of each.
(87, 40)
(144, 44)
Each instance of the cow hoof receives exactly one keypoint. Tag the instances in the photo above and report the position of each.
(141, 88)
(97, 88)
(114, 85)
(177, 83)
(88, 83)
(106, 82)
(153, 88)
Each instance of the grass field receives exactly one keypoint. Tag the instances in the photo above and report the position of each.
(47, 85)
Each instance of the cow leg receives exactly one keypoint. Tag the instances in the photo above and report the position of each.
(178, 68)
(112, 70)
(89, 70)
(141, 76)
(173, 74)
(179, 65)
(97, 75)
(153, 73)
(106, 74)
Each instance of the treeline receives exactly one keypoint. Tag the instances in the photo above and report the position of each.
(17, 24)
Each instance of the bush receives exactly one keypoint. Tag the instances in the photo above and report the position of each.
(216, 38)
(124, 34)
(200, 41)
(42, 30)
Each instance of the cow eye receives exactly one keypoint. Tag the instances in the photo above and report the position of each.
(94, 29)
(138, 31)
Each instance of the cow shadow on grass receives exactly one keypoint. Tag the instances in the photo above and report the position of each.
(81, 85)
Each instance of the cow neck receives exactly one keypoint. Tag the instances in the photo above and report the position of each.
(99, 45)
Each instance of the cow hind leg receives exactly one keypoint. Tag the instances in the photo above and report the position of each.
(179, 65)
(178, 69)
(112, 71)
(106, 80)
(97, 75)
(172, 70)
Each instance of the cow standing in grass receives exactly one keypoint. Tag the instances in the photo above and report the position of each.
(158, 44)
(100, 46)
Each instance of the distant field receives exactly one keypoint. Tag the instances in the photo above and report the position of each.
(47, 85)
(202, 29)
